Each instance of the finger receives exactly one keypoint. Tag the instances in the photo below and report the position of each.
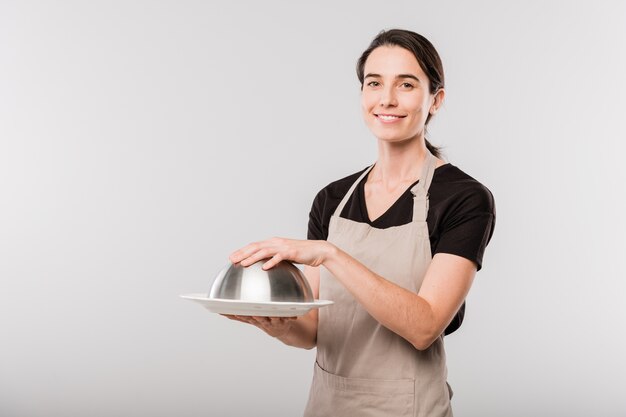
(281, 320)
(259, 255)
(272, 262)
(262, 250)
(232, 317)
(247, 319)
(244, 252)
(264, 320)
(268, 323)
(258, 322)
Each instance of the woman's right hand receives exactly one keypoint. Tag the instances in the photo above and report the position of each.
(274, 326)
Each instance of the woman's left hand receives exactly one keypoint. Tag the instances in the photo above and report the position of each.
(307, 252)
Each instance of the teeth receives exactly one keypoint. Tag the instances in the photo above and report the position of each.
(388, 117)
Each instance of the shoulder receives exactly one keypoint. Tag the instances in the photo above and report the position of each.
(326, 202)
(462, 214)
(459, 190)
(337, 189)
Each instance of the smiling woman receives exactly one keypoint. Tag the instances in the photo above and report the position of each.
(396, 246)
(384, 79)
(396, 105)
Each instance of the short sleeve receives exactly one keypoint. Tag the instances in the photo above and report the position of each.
(468, 228)
(315, 229)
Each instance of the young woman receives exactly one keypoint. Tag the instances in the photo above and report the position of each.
(399, 242)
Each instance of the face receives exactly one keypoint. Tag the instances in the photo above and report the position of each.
(395, 99)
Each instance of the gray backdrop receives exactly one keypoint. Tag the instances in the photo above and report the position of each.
(142, 142)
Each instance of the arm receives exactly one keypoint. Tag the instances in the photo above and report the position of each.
(419, 318)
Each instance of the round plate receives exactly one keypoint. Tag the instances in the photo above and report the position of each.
(253, 308)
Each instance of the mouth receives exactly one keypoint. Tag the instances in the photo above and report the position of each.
(389, 118)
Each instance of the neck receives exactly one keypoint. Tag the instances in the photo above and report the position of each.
(399, 162)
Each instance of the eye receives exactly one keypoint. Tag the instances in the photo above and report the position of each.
(373, 82)
(408, 85)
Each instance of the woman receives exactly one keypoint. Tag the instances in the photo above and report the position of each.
(399, 242)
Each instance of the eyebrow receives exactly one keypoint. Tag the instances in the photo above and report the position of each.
(397, 76)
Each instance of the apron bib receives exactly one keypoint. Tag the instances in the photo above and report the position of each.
(363, 368)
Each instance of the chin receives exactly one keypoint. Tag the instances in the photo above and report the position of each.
(387, 137)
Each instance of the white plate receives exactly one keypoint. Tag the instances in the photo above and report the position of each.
(252, 308)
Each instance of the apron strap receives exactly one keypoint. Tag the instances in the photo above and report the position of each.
(350, 191)
(420, 190)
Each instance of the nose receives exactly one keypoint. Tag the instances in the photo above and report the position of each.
(388, 97)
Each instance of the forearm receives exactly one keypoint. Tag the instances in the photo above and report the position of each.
(401, 311)
(302, 333)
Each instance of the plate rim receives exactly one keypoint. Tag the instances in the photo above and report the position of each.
(203, 297)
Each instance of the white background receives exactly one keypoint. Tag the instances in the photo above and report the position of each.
(142, 142)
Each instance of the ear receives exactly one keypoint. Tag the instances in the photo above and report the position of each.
(437, 101)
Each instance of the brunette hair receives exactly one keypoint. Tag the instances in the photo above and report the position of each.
(425, 53)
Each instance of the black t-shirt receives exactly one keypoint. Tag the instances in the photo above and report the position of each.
(461, 215)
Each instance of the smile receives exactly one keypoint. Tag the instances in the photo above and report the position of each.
(388, 118)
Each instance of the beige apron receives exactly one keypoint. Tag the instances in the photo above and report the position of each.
(363, 368)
